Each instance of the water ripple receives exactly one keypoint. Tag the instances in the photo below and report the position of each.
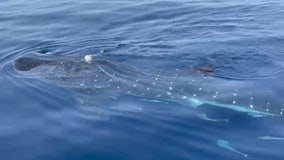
(239, 40)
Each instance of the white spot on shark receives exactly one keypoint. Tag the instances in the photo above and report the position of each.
(184, 97)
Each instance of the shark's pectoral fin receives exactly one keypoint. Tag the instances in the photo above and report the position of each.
(195, 103)
(250, 111)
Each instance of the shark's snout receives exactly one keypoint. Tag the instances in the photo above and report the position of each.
(28, 63)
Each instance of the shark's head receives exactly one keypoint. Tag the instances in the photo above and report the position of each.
(46, 65)
(69, 69)
(28, 63)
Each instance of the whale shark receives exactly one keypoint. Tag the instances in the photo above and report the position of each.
(103, 79)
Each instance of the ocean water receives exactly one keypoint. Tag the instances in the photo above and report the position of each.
(66, 113)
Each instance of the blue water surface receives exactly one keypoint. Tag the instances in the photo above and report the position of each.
(41, 120)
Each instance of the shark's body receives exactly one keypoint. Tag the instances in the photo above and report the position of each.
(104, 79)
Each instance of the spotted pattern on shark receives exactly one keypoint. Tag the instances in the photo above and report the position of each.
(102, 79)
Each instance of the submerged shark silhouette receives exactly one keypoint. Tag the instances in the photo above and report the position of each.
(103, 79)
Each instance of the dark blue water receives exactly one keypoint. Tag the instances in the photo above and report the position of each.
(41, 120)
